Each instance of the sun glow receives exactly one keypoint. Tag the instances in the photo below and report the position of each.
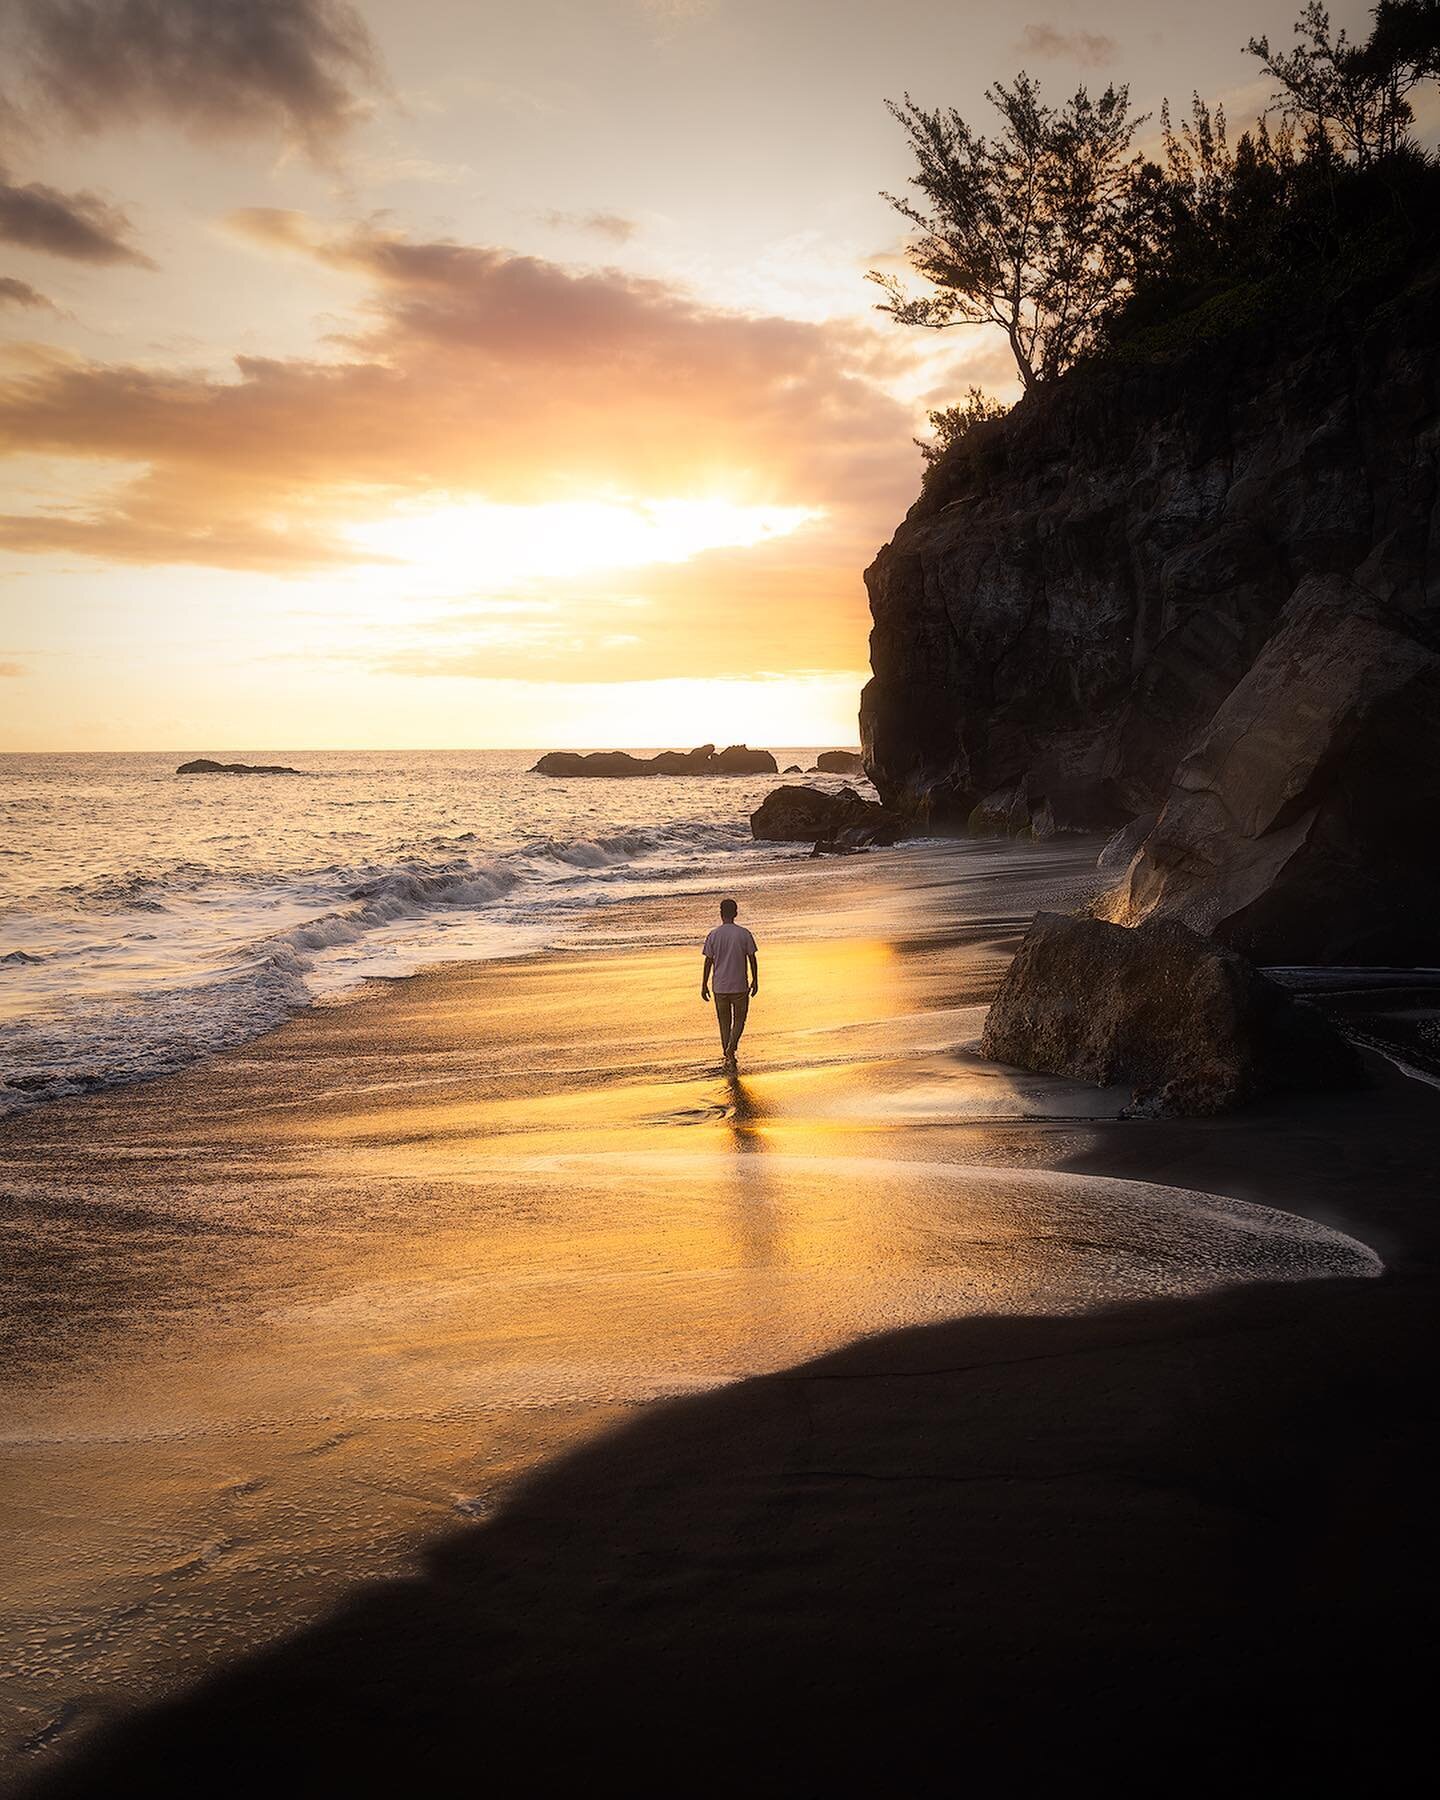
(506, 545)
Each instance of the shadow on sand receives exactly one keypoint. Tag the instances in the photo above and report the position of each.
(1172, 1540)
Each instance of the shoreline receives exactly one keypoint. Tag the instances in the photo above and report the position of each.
(334, 1174)
(218, 922)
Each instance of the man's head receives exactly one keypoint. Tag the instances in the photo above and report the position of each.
(728, 910)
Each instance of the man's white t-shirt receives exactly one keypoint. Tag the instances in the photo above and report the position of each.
(727, 947)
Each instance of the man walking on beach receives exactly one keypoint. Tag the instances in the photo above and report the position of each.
(729, 954)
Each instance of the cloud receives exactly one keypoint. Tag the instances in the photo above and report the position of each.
(20, 293)
(131, 533)
(10, 671)
(305, 69)
(1090, 48)
(672, 14)
(614, 226)
(469, 374)
(79, 226)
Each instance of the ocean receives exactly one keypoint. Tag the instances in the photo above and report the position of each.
(148, 920)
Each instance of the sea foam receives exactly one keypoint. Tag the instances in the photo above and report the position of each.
(147, 923)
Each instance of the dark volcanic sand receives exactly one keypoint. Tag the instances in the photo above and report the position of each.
(1181, 1538)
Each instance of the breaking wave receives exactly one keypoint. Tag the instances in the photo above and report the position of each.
(144, 973)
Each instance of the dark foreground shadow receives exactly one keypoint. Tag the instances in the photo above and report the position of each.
(1172, 1543)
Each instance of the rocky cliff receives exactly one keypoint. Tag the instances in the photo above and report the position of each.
(1204, 587)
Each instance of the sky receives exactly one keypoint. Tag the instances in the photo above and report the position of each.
(450, 373)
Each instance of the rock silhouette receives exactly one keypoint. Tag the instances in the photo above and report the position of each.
(736, 759)
(807, 815)
(202, 765)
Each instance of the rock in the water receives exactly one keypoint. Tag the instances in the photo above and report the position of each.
(204, 766)
(739, 759)
(1121, 850)
(794, 769)
(1186, 1021)
(807, 815)
(1300, 827)
(736, 759)
(840, 762)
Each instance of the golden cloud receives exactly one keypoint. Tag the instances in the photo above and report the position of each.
(469, 375)
(470, 371)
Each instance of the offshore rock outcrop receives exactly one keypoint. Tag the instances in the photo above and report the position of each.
(1207, 589)
(203, 765)
(735, 759)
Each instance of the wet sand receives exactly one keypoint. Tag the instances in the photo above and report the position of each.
(875, 1409)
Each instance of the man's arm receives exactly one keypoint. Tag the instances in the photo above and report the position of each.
(705, 978)
(754, 963)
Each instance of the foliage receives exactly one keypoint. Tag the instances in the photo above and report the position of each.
(1073, 245)
(1353, 95)
(1025, 229)
(953, 424)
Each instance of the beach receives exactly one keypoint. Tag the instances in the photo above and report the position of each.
(472, 1369)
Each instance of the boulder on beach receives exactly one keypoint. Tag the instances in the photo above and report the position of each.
(202, 765)
(1190, 1024)
(735, 759)
(807, 815)
(1013, 811)
(1005, 812)
(840, 762)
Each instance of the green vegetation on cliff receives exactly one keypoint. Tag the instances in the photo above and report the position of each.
(1085, 252)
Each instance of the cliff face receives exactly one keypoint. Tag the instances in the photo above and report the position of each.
(1209, 591)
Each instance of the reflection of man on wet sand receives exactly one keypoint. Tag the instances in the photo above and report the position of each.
(730, 960)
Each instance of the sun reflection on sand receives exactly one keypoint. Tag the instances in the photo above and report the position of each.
(397, 1255)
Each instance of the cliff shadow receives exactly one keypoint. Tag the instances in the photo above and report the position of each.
(1157, 1541)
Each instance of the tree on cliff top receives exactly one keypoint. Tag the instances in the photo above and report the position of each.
(1030, 229)
(1349, 95)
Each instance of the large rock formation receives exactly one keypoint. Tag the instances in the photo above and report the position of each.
(736, 759)
(1083, 597)
(1301, 822)
(840, 762)
(807, 815)
(1190, 1024)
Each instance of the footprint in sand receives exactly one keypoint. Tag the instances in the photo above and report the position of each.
(475, 1506)
(47, 1734)
(237, 1490)
(205, 1558)
(333, 1442)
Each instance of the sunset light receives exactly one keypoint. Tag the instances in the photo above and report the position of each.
(719, 900)
(464, 544)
